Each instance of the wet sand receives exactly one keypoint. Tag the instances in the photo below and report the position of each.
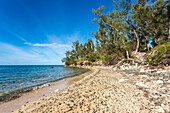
(12, 105)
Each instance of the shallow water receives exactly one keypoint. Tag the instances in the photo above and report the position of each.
(14, 78)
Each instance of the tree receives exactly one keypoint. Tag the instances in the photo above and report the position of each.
(129, 27)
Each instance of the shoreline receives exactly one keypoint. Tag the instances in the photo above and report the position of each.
(40, 92)
(108, 90)
(5, 97)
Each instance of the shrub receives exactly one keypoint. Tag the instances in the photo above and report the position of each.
(159, 54)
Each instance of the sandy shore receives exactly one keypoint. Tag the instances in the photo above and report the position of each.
(105, 91)
(34, 95)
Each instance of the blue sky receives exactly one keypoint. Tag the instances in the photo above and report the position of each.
(40, 31)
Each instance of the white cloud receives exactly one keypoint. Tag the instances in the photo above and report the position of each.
(10, 54)
(50, 52)
(67, 39)
(48, 45)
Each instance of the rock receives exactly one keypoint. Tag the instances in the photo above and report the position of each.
(159, 82)
(159, 109)
(145, 76)
(153, 67)
(142, 70)
(162, 105)
(168, 81)
(80, 63)
(141, 84)
(94, 63)
(86, 63)
(100, 63)
(65, 65)
(56, 90)
(122, 80)
(140, 56)
(118, 67)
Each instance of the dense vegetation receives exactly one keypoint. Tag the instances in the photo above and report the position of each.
(160, 54)
(130, 27)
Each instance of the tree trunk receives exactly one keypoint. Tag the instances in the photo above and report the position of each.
(137, 38)
(169, 34)
(137, 45)
(127, 54)
(147, 44)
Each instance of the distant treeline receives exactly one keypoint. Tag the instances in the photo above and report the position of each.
(130, 27)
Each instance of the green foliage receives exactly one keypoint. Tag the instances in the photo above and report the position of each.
(92, 57)
(86, 63)
(129, 27)
(159, 53)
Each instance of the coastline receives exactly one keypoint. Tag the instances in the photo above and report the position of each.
(36, 94)
(107, 90)
(13, 94)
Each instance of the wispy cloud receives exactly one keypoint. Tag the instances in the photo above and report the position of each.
(50, 52)
(67, 39)
(15, 55)
(10, 54)
(48, 45)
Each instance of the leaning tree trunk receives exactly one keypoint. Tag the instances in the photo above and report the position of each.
(147, 46)
(137, 37)
(169, 34)
(127, 54)
(137, 46)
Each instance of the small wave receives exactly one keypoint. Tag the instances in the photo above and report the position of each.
(35, 79)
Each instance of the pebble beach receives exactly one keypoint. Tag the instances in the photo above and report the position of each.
(106, 91)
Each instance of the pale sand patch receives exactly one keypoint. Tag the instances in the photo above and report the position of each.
(12, 105)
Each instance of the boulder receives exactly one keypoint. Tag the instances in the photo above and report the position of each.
(140, 57)
(100, 63)
(80, 63)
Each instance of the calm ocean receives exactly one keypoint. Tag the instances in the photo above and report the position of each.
(14, 78)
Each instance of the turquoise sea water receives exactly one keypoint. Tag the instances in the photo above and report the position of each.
(18, 77)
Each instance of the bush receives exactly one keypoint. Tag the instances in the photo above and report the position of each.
(112, 59)
(159, 54)
(92, 57)
(67, 63)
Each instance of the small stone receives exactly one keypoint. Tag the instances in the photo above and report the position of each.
(56, 90)
(122, 80)
(162, 105)
(141, 84)
(159, 81)
(142, 70)
(159, 109)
